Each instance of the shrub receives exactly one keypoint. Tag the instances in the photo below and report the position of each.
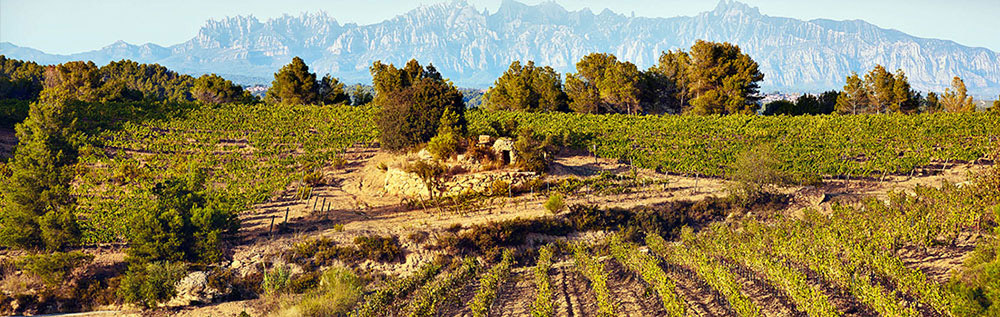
(339, 290)
(431, 173)
(378, 248)
(53, 268)
(534, 155)
(754, 173)
(150, 284)
(443, 146)
(555, 203)
(185, 225)
(276, 280)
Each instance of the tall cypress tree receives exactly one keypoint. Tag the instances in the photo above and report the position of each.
(38, 210)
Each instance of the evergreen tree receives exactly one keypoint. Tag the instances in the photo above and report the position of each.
(359, 96)
(673, 67)
(21, 80)
(37, 208)
(217, 90)
(854, 99)
(879, 84)
(996, 105)
(294, 84)
(931, 103)
(413, 99)
(603, 84)
(722, 80)
(956, 98)
(828, 102)
(331, 91)
(904, 100)
(527, 88)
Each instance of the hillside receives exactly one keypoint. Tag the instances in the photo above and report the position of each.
(474, 47)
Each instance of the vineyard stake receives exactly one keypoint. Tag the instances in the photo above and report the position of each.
(270, 231)
(286, 213)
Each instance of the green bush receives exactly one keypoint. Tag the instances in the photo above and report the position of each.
(755, 173)
(150, 284)
(338, 291)
(411, 115)
(185, 225)
(555, 203)
(443, 146)
(53, 268)
(276, 280)
(534, 155)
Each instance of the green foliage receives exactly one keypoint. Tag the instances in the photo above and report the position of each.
(555, 203)
(20, 80)
(441, 290)
(956, 98)
(805, 104)
(808, 145)
(603, 84)
(978, 280)
(213, 89)
(331, 91)
(722, 80)
(490, 285)
(339, 290)
(294, 84)
(54, 267)
(543, 305)
(754, 173)
(382, 300)
(360, 96)
(185, 224)
(432, 173)
(38, 208)
(880, 91)
(149, 284)
(276, 280)
(527, 88)
(446, 143)
(413, 101)
(533, 154)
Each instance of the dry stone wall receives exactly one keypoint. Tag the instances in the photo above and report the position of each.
(399, 182)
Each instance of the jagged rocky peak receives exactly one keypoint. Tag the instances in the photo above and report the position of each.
(733, 7)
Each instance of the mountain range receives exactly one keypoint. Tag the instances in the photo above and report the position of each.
(473, 47)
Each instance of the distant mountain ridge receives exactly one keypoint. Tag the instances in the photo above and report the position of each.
(473, 47)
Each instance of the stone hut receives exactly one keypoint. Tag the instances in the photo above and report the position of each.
(505, 148)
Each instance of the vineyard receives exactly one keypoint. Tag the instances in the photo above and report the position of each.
(840, 146)
(250, 153)
(845, 263)
(705, 256)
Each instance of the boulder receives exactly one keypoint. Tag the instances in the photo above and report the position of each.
(194, 289)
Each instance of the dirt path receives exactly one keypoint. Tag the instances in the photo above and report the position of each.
(573, 296)
(770, 300)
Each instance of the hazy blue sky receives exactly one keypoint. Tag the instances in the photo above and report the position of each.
(70, 26)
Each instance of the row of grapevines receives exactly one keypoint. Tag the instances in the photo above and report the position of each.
(543, 306)
(380, 301)
(441, 290)
(648, 267)
(710, 270)
(490, 284)
(593, 270)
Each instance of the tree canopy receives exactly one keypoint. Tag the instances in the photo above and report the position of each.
(880, 91)
(527, 88)
(956, 98)
(413, 100)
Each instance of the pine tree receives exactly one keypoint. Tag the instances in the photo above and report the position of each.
(956, 98)
(996, 105)
(527, 88)
(931, 104)
(38, 210)
(331, 91)
(879, 84)
(904, 99)
(294, 84)
(722, 80)
(359, 96)
(413, 99)
(854, 99)
(212, 88)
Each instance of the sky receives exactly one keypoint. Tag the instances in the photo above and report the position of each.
(73, 26)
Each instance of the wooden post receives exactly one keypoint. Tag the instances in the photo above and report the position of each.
(270, 231)
(286, 213)
(314, 204)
